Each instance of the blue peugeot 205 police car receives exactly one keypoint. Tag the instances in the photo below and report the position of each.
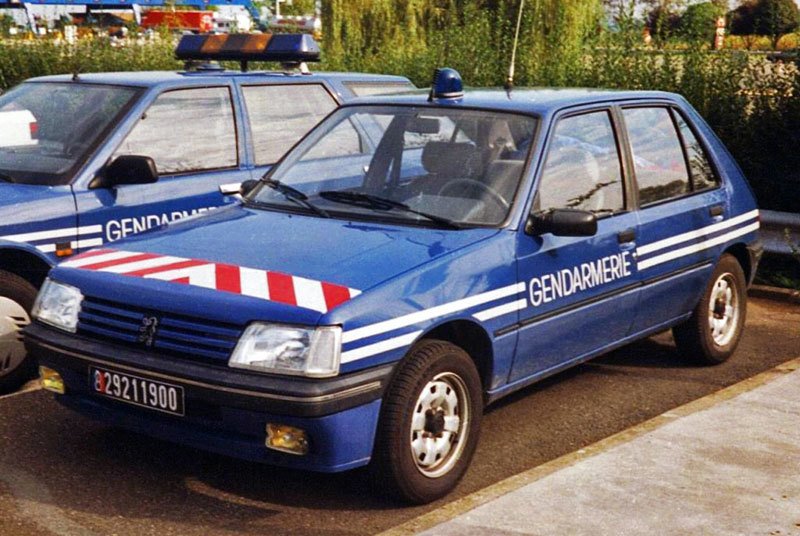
(410, 261)
(90, 158)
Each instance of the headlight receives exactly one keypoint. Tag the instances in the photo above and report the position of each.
(58, 305)
(289, 350)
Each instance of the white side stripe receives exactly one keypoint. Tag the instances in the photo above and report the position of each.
(380, 347)
(84, 243)
(500, 310)
(433, 312)
(53, 233)
(699, 233)
(694, 248)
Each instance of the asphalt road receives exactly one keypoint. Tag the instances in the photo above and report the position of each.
(66, 475)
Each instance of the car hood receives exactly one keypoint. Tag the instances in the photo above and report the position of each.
(354, 255)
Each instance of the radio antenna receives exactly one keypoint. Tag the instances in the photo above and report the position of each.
(509, 85)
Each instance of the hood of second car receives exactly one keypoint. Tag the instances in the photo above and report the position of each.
(355, 254)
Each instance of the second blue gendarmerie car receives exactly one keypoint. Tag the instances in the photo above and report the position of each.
(412, 260)
(88, 159)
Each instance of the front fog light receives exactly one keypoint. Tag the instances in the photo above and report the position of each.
(58, 305)
(287, 439)
(51, 380)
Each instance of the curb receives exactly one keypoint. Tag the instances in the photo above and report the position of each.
(463, 505)
(774, 293)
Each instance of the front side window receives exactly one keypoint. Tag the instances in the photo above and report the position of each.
(657, 154)
(186, 130)
(47, 130)
(582, 168)
(425, 166)
(281, 115)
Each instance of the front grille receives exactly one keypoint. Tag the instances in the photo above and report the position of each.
(177, 334)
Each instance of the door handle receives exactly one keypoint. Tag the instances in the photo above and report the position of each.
(628, 235)
(716, 210)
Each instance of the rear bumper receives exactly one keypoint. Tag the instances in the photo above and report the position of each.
(226, 411)
(755, 251)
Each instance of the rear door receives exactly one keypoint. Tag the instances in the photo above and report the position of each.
(194, 137)
(681, 206)
(582, 291)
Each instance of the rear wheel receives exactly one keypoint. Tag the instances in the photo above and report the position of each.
(429, 424)
(16, 300)
(712, 333)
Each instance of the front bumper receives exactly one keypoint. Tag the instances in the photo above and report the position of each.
(226, 410)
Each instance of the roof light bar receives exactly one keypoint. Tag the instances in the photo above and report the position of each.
(285, 48)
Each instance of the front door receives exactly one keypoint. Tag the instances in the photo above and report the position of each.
(191, 134)
(581, 290)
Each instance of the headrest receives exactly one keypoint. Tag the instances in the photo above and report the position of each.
(451, 159)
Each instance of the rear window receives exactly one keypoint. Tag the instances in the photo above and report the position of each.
(367, 89)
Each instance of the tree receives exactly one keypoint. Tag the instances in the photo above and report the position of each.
(776, 18)
(742, 22)
(698, 23)
(662, 22)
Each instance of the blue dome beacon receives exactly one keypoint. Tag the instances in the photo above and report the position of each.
(413, 259)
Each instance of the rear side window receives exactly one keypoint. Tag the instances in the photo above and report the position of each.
(281, 115)
(186, 130)
(582, 169)
(703, 176)
(658, 158)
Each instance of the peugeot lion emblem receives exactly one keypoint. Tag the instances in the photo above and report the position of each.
(147, 331)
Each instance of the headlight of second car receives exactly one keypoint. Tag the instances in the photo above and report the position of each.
(58, 305)
(313, 352)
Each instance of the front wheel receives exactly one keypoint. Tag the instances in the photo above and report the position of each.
(712, 333)
(16, 301)
(429, 423)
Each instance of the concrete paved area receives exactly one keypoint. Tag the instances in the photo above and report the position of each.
(728, 469)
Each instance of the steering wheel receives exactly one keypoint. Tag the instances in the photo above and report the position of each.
(491, 194)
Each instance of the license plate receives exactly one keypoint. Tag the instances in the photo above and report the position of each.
(138, 391)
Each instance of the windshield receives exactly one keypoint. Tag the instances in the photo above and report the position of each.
(47, 130)
(429, 166)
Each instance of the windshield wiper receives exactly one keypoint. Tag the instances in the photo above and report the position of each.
(295, 195)
(375, 202)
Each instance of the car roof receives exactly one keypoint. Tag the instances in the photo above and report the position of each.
(540, 101)
(177, 78)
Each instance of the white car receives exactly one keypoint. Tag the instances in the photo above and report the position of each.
(18, 128)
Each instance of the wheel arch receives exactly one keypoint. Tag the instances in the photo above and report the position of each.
(740, 253)
(473, 339)
(30, 266)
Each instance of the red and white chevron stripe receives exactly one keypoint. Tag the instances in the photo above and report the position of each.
(266, 285)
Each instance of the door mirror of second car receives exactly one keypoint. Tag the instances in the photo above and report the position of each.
(562, 222)
(238, 188)
(127, 169)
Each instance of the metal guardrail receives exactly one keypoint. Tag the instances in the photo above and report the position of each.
(773, 226)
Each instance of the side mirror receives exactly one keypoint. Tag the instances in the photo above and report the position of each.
(248, 186)
(238, 188)
(562, 222)
(127, 169)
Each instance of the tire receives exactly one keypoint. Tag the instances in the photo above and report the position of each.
(16, 300)
(416, 458)
(712, 333)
